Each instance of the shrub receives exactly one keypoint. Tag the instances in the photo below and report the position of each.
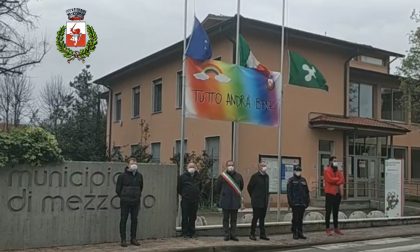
(28, 145)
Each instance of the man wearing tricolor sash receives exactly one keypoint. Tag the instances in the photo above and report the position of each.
(230, 185)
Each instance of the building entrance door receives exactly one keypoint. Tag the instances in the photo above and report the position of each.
(365, 173)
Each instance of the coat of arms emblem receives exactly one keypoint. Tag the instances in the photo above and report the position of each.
(76, 39)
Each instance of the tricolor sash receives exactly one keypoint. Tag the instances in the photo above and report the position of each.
(229, 180)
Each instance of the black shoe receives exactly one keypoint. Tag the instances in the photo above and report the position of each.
(234, 238)
(134, 242)
(301, 236)
(295, 236)
(265, 238)
(124, 244)
(226, 238)
(252, 237)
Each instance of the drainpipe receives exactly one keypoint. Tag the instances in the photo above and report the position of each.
(110, 99)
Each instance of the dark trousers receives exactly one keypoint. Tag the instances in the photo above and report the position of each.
(258, 214)
(189, 215)
(297, 219)
(232, 215)
(126, 209)
(332, 202)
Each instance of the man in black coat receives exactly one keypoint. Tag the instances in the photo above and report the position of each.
(230, 185)
(189, 187)
(298, 199)
(129, 188)
(258, 190)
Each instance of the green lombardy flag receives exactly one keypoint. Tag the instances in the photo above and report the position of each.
(303, 73)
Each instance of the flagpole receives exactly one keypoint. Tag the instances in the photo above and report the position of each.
(235, 124)
(182, 150)
(280, 112)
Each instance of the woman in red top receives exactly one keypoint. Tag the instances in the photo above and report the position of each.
(333, 187)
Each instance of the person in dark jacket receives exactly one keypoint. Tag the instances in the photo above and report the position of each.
(298, 199)
(189, 187)
(258, 190)
(230, 185)
(129, 188)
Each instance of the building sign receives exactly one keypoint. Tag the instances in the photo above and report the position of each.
(394, 188)
(75, 203)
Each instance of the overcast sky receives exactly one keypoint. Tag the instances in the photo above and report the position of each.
(132, 29)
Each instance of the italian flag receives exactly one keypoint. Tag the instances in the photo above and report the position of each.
(247, 58)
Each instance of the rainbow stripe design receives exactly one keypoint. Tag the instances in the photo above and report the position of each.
(221, 91)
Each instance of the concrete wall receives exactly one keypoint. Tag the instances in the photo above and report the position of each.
(75, 203)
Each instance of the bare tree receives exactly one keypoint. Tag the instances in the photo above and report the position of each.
(6, 97)
(56, 101)
(22, 93)
(17, 51)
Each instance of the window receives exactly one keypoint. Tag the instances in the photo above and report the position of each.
(155, 152)
(400, 153)
(179, 89)
(415, 163)
(325, 149)
(372, 60)
(415, 116)
(178, 146)
(212, 149)
(134, 149)
(360, 100)
(117, 114)
(325, 145)
(136, 102)
(392, 108)
(157, 96)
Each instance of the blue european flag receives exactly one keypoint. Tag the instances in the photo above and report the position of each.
(199, 47)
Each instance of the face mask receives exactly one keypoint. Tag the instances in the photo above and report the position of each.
(132, 167)
(191, 170)
(335, 164)
(230, 168)
(264, 169)
(298, 173)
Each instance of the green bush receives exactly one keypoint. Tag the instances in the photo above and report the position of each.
(28, 145)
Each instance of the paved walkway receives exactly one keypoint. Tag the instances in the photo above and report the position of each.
(277, 242)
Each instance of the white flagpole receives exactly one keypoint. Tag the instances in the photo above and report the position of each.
(280, 112)
(235, 124)
(182, 151)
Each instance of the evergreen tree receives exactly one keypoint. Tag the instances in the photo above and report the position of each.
(410, 72)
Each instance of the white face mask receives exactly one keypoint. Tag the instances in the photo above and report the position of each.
(132, 167)
(230, 168)
(191, 170)
(264, 168)
(298, 173)
(335, 164)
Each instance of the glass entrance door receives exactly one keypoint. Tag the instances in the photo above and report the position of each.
(364, 184)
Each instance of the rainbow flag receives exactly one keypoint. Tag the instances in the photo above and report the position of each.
(220, 91)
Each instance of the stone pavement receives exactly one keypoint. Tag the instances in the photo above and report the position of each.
(245, 244)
